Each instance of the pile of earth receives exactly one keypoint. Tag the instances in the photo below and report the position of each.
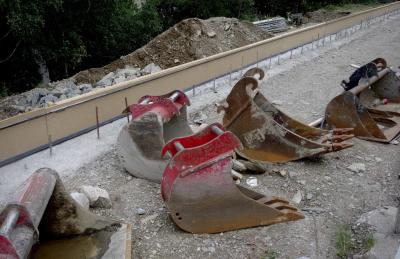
(188, 40)
(323, 15)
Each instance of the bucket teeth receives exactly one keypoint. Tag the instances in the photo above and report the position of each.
(268, 134)
(207, 200)
(366, 107)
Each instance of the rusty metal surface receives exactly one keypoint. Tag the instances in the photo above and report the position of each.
(206, 200)
(373, 112)
(270, 135)
(155, 120)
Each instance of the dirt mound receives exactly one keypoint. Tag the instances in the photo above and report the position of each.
(324, 15)
(186, 41)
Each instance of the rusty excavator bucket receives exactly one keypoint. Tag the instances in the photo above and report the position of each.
(43, 221)
(372, 106)
(200, 194)
(155, 120)
(268, 134)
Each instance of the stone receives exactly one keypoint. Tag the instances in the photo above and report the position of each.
(239, 166)
(81, 199)
(227, 26)
(47, 100)
(149, 218)
(211, 34)
(252, 181)
(107, 80)
(98, 198)
(119, 79)
(303, 257)
(277, 102)
(176, 61)
(140, 211)
(282, 173)
(85, 88)
(253, 166)
(309, 196)
(394, 142)
(292, 175)
(383, 220)
(302, 182)
(297, 198)
(150, 69)
(357, 167)
(378, 159)
(33, 97)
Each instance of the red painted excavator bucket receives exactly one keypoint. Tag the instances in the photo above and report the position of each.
(155, 120)
(372, 108)
(43, 221)
(200, 194)
(268, 134)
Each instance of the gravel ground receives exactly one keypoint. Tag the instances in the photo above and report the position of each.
(333, 196)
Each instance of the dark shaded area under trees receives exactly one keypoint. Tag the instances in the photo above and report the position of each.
(61, 37)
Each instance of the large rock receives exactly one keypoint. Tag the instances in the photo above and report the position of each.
(81, 199)
(386, 243)
(33, 97)
(107, 80)
(98, 198)
(85, 88)
(150, 68)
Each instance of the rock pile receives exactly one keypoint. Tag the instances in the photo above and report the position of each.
(67, 88)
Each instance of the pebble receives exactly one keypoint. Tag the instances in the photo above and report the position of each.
(140, 211)
(357, 167)
(302, 182)
(98, 198)
(252, 181)
(297, 198)
(378, 159)
(309, 196)
(128, 178)
(292, 175)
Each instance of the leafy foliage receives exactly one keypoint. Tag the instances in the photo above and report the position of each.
(67, 36)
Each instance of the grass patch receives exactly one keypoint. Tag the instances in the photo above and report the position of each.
(271, 254)
(369, 242)
(344, 243)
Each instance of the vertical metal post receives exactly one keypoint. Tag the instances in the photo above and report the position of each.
(301, 51)
(97, 122)
(291, 53)
(230, 75)
(194, 90)
(126, 107)
(278, 59)
(269, 66)
(241, 67)
(50, 144)
(397, 224)
(214, 86)
(257, 58)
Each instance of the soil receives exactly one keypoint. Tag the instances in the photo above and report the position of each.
(188, 40)
(333, 196)
(323, 15)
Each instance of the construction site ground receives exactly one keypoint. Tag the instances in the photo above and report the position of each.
(333, 196)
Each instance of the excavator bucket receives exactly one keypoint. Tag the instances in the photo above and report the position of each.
(43, 221)
(268, 134)
(200, 194)
(155, 120)
(372, 107)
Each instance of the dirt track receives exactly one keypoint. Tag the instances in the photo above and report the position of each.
(336, 195)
